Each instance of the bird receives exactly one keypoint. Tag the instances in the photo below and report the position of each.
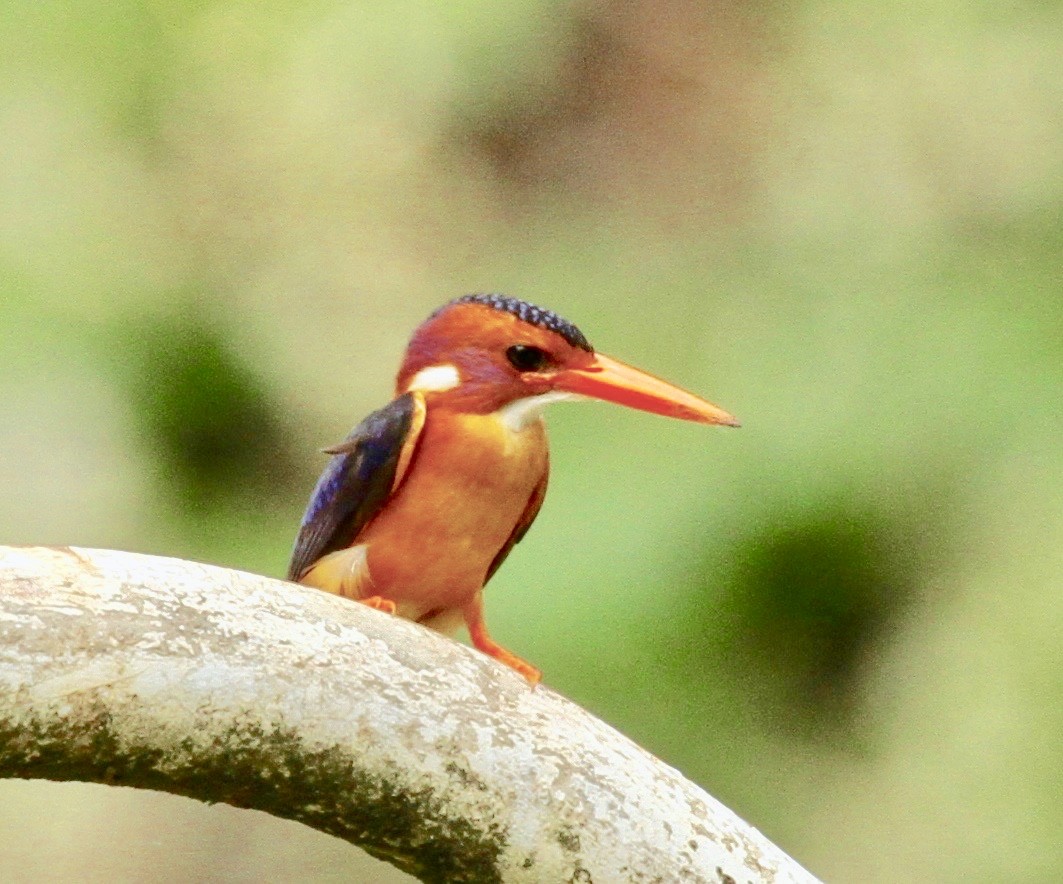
(421, 504)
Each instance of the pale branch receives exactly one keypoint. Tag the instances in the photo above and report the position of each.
(225, 686)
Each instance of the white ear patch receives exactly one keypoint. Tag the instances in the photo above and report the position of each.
(434, 379)
(521, 412)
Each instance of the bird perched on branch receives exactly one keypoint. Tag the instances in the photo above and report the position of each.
(426, 497)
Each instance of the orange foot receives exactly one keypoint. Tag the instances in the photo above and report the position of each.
(533, 675)
(379, 603)
(482, 641)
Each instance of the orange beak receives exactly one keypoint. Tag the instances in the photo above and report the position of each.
(614, 381)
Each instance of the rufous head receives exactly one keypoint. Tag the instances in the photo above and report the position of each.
(489, 353)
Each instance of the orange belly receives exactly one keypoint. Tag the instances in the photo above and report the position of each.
(430, 547)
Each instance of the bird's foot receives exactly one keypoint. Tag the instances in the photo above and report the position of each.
(379, 603)
(483, 642)
(530, 673)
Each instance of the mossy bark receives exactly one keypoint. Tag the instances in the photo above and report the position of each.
(228, 687)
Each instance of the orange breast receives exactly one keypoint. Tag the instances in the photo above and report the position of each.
(467, 488)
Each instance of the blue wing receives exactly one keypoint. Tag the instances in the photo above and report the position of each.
(364, 471)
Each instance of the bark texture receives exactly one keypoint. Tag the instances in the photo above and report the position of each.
(225, 686)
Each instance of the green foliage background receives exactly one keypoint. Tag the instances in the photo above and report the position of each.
(219, 222)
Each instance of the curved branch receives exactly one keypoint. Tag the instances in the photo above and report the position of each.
(224, 686)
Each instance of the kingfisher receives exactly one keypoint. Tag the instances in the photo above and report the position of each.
(421, 504)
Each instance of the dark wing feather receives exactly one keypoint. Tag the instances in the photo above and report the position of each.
(359, 479)
(535, 503)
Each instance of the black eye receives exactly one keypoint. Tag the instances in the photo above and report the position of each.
(526, 358)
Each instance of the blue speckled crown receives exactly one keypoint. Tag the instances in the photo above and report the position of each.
(528, 313)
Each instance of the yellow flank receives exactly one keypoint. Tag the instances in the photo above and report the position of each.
(467, 487)
(343, 572)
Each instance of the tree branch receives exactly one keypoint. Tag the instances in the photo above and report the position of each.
(224, 686)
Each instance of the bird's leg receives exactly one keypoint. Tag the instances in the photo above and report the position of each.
(474, 619)
(378, 603)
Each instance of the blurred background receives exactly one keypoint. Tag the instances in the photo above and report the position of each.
(220, 222)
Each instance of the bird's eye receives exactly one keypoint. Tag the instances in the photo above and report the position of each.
(524, 357)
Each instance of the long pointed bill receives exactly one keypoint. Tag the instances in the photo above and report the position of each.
(614, 381)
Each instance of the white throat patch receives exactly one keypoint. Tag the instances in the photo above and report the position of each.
(518, 414)
(434, 379)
